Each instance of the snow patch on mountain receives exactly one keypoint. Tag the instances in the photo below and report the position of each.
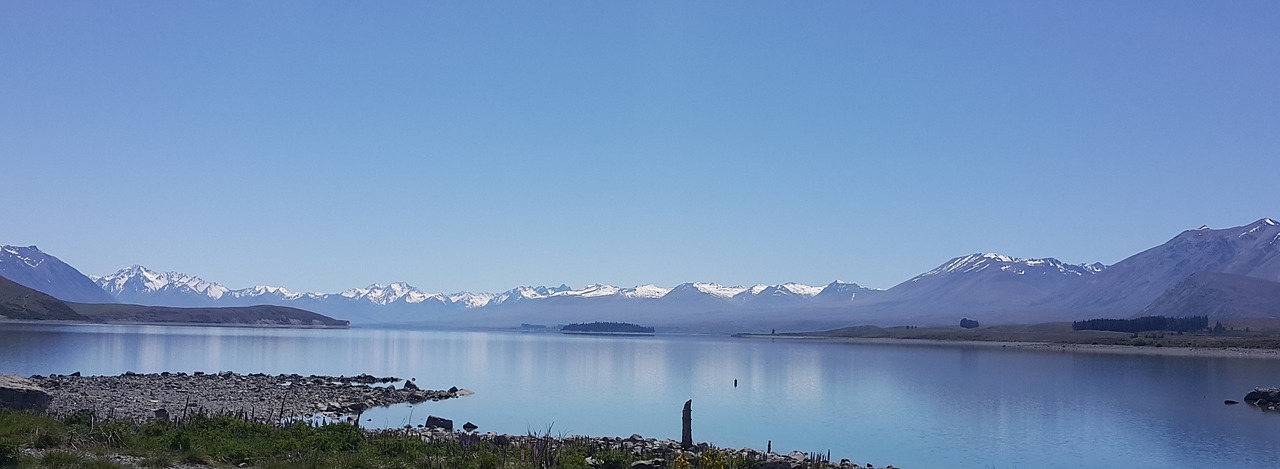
(717, 290)
(802, 289)
(29, 255)
(646, 291)
(591, 291)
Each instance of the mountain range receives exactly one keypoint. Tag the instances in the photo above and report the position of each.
(1180, 275)
(19, 302)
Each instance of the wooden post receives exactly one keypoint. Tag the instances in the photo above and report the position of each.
(686, 435)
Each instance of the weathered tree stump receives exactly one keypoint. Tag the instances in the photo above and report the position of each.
(686, 435)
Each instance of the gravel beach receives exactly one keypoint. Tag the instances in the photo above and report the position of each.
(134, 396)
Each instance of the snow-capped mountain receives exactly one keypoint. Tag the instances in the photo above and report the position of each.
(265, 291)
(470, 300)
(982, 285)
(383, 295)
(983, 261)
(30, 267)
(525, 293)
(138, 284)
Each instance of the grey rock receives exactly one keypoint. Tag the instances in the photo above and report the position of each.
(655, 463)
(17, 392)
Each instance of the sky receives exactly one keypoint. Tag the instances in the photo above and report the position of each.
(480, 146)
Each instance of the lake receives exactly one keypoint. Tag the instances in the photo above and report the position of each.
(914, 406)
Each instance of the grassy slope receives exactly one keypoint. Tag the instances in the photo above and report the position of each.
(20, 302)
(1242, 333)
(249, 315)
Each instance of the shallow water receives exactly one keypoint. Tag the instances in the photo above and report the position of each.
(908, 405)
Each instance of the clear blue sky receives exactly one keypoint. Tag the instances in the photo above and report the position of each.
(484, 145)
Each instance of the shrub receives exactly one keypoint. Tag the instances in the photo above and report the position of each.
(8, 455)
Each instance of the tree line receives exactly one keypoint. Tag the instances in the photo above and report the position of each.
(1144, 324)
(607, 327)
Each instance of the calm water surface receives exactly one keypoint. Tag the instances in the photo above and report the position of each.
(911, 406)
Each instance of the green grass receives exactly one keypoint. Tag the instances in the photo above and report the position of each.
(80, 441)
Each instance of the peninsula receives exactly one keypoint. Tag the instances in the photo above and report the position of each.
(20, 303)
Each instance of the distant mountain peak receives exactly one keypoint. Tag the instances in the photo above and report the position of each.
(32, 256)
(983, 261)
(32, 268)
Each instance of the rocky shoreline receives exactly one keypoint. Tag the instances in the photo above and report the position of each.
(278, 398)
(136, 396)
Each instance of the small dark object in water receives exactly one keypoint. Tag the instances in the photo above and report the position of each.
(1230, 402)
(735, 382)
(471, 427)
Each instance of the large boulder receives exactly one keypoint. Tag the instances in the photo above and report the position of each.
(17, 392)
(1262, 397)
(439, 422)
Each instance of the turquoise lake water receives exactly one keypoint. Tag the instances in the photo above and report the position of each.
(908, 405)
